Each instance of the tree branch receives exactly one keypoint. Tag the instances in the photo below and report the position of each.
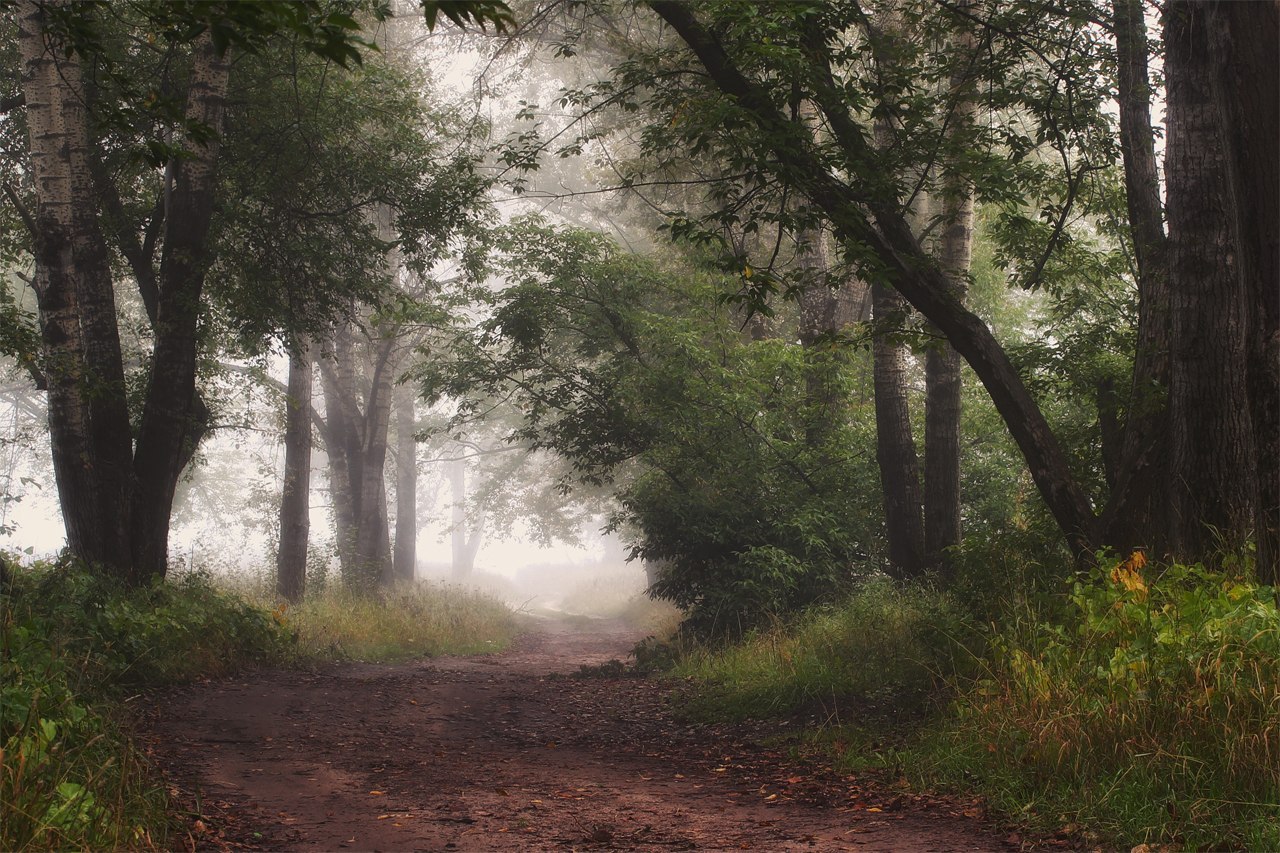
(903, 263)
(27, 219)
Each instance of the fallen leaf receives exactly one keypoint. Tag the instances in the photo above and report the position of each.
(377, 793)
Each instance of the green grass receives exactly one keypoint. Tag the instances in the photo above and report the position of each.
(1150, 714)
(73, 646)
(1146, 710)
(881, 648)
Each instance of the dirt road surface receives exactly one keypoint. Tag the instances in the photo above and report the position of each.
(510, 752)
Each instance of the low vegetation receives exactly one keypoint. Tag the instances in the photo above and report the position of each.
(1149, 714)
(75, 646)
(423, 621)
(1142, 707)
(882, 648)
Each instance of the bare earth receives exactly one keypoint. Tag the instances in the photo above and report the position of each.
(511, 752)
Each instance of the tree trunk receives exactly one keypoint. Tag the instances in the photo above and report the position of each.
(1213, 474)
(895, 446)
(116, 499)
(942, 363)
(295, 500)
(1137, 513)
(373, 552)
(170, 425)
(465, 539)
(405, 558)
(823, 312)
(357, 427)
(1244, 44)
(342, 445)
(89, 432)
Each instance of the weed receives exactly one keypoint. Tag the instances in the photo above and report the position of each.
(413, 621)
(1150, 715)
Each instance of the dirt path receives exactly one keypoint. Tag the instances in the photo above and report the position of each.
(508, 752)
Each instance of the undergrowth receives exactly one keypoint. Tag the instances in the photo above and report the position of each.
(882, 647)
(1141, 707)
(72, 645)
(1150, 714)
(75, 645)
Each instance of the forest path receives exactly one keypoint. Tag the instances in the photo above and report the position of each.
(508, 752)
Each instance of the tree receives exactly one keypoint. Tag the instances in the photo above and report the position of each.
(295, 499)
(117, 486)
(116, 495)
(867, 217)
(1223, 235)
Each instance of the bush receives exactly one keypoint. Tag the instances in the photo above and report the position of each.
(1151, 714)
(71, 642)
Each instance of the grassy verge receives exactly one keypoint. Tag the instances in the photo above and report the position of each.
(882, 648)
(73, 647)
(1149, 714)
(423, 621)
(1146, 711)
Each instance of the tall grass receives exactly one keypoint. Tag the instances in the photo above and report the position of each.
(881, 647)
(1150, 715)
(412, 621)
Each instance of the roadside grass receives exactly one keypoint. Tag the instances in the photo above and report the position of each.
(73, 647)
(883, 647)
(1150, 715)
(424, 620)
(1146, 710)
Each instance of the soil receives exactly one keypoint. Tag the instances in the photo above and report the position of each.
(521, 750)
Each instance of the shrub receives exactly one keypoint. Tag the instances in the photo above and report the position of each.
(1151, 714)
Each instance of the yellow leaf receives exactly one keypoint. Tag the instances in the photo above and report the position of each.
(377, 793)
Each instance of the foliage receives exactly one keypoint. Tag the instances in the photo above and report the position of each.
(311, 154)
(1149, 712)
(883, 649)
(635, 372)
(72, 642)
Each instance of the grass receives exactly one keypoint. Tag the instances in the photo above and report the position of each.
(422, 621)
(883, 647)
(1149, 714)
(1144, 710)
(73, 646)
